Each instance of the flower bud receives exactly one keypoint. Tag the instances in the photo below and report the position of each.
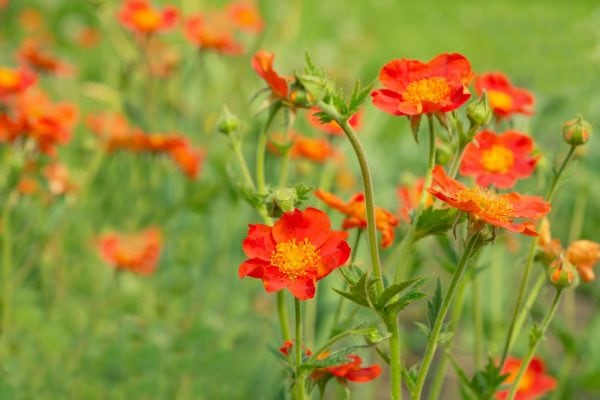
(301, 98)
(281, 200)
(228, 123)
(577, 131)
(562, 273)
(479, 112)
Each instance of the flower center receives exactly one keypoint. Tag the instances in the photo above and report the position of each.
(295, 259)
(146, 20)
(430, 90)
(490, 203)
(500, 100)
(497, 159)
(8, 78)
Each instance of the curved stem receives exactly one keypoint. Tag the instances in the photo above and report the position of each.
(261, 148)
(529, 262)
(409, 239)
(434, 335)
(534, 345)
(395, 357)
(299, 384)
(237, 149)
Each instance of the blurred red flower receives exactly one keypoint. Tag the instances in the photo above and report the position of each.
(499, 160)
(356, 214)
(137, 253)
(212, 32)
(332, 127)
(409, 197)
(484, 205)
(15, 80)
(535, 382)
(295, 253)
(140, 17)
(351, 370)
(262, 62)
(32, 55)
(415, 88)
(505, 99)
(245, 16)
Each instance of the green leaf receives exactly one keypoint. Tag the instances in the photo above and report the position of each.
(435, 221)
(434, 305)
(337, 357)
(397, 289)
(485, 383)
(424, 328)
(360, 300)
(409, 376)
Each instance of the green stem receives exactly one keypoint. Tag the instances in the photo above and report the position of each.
(477, 321)
(299, 384)
(6, 264)
(261, 148)
(395, 357)
(534, 345)
(368, 189)
(529, 262)
(237, 149)
(285, 168)
(283, 316)
(533, 295)
(434, 335)
(409, 239)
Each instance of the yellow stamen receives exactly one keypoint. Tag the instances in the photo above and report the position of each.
(497, 159)
(490, 203)
(295, 259)
(431, 90)
(500, 100)
(146, 20)
(8, 78)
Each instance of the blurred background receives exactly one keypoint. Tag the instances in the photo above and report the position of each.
(193, 330)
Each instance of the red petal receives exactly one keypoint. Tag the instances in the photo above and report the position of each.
(312, 224)
(259, 242)
(253, 268)
(364, 374)
(303, 289)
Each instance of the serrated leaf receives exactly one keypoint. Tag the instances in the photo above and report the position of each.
(535, 335)
(353, 297)
(409, 376)
(445, 336)
(335, 358)
(435, 221)
(424, 328)
(434, 305)
(485, 383)
(397, 289)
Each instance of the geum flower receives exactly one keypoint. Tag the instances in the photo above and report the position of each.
(245, 16)
(140, 17)
(356, 215)
(262, 62)
(138, 253)
(332, 127)
(295, 253)
(13, 81)
(317, 150)
(414, 88)
(534, 384)
(212, 31)
(499, 160)
(409, 197)
(512, 211)
(32, 55)
(505, 99)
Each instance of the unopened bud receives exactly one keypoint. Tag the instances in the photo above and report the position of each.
(577, 131)
(228, 123)
(479, 112)
(302, 99)
(562, 273)
(281, 200)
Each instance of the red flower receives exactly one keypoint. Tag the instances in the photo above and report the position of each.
(32, 55)
(356, 215)
(287, 347)
(499, 160)
(333, 127)
(212, 32)
(262, 62)
(505, 99)
(188, 159)
(295, 253)
(316, 150)
(503, 210)
(13, 81)
(137, 253)
(415, 88)
(140, 17)
(535, 382)
(351, 370)
(245, 16)
(409, 197)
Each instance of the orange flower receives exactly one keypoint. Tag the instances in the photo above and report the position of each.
(245, 16)
(584, 254)
(13, 81)
(535, 382)
(333, 127)
(163, 60)
(317, 150)
(295, 253)
(58, 179)
(499, 160)
(140, 17)
(27, 186)
(114, 130)
(262, 62)
(505, 99)
(212, 32)
(188, 159)
(356, 215)
(32, 55)
(31, 20)
(415, 88)
(88, 37)
(351, 370)
(137, 253)
(409, 197)
(484, 205)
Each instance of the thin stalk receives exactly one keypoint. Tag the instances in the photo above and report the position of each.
(533, 295)
(261, 148)
(534, 345)
(285, 168)
(283, 316)
(299, 384)
(237, 149)
(368, 189)
(477, 321)
(395, 357)
(6, 264)
(409, 239)
(529, 262)
(434, 335)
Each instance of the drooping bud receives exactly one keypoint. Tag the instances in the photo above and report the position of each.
(562, 273)
(479, 112)
(228, 123)
(577, 131)
(584, 254)
(281, 200)
(301, 98)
